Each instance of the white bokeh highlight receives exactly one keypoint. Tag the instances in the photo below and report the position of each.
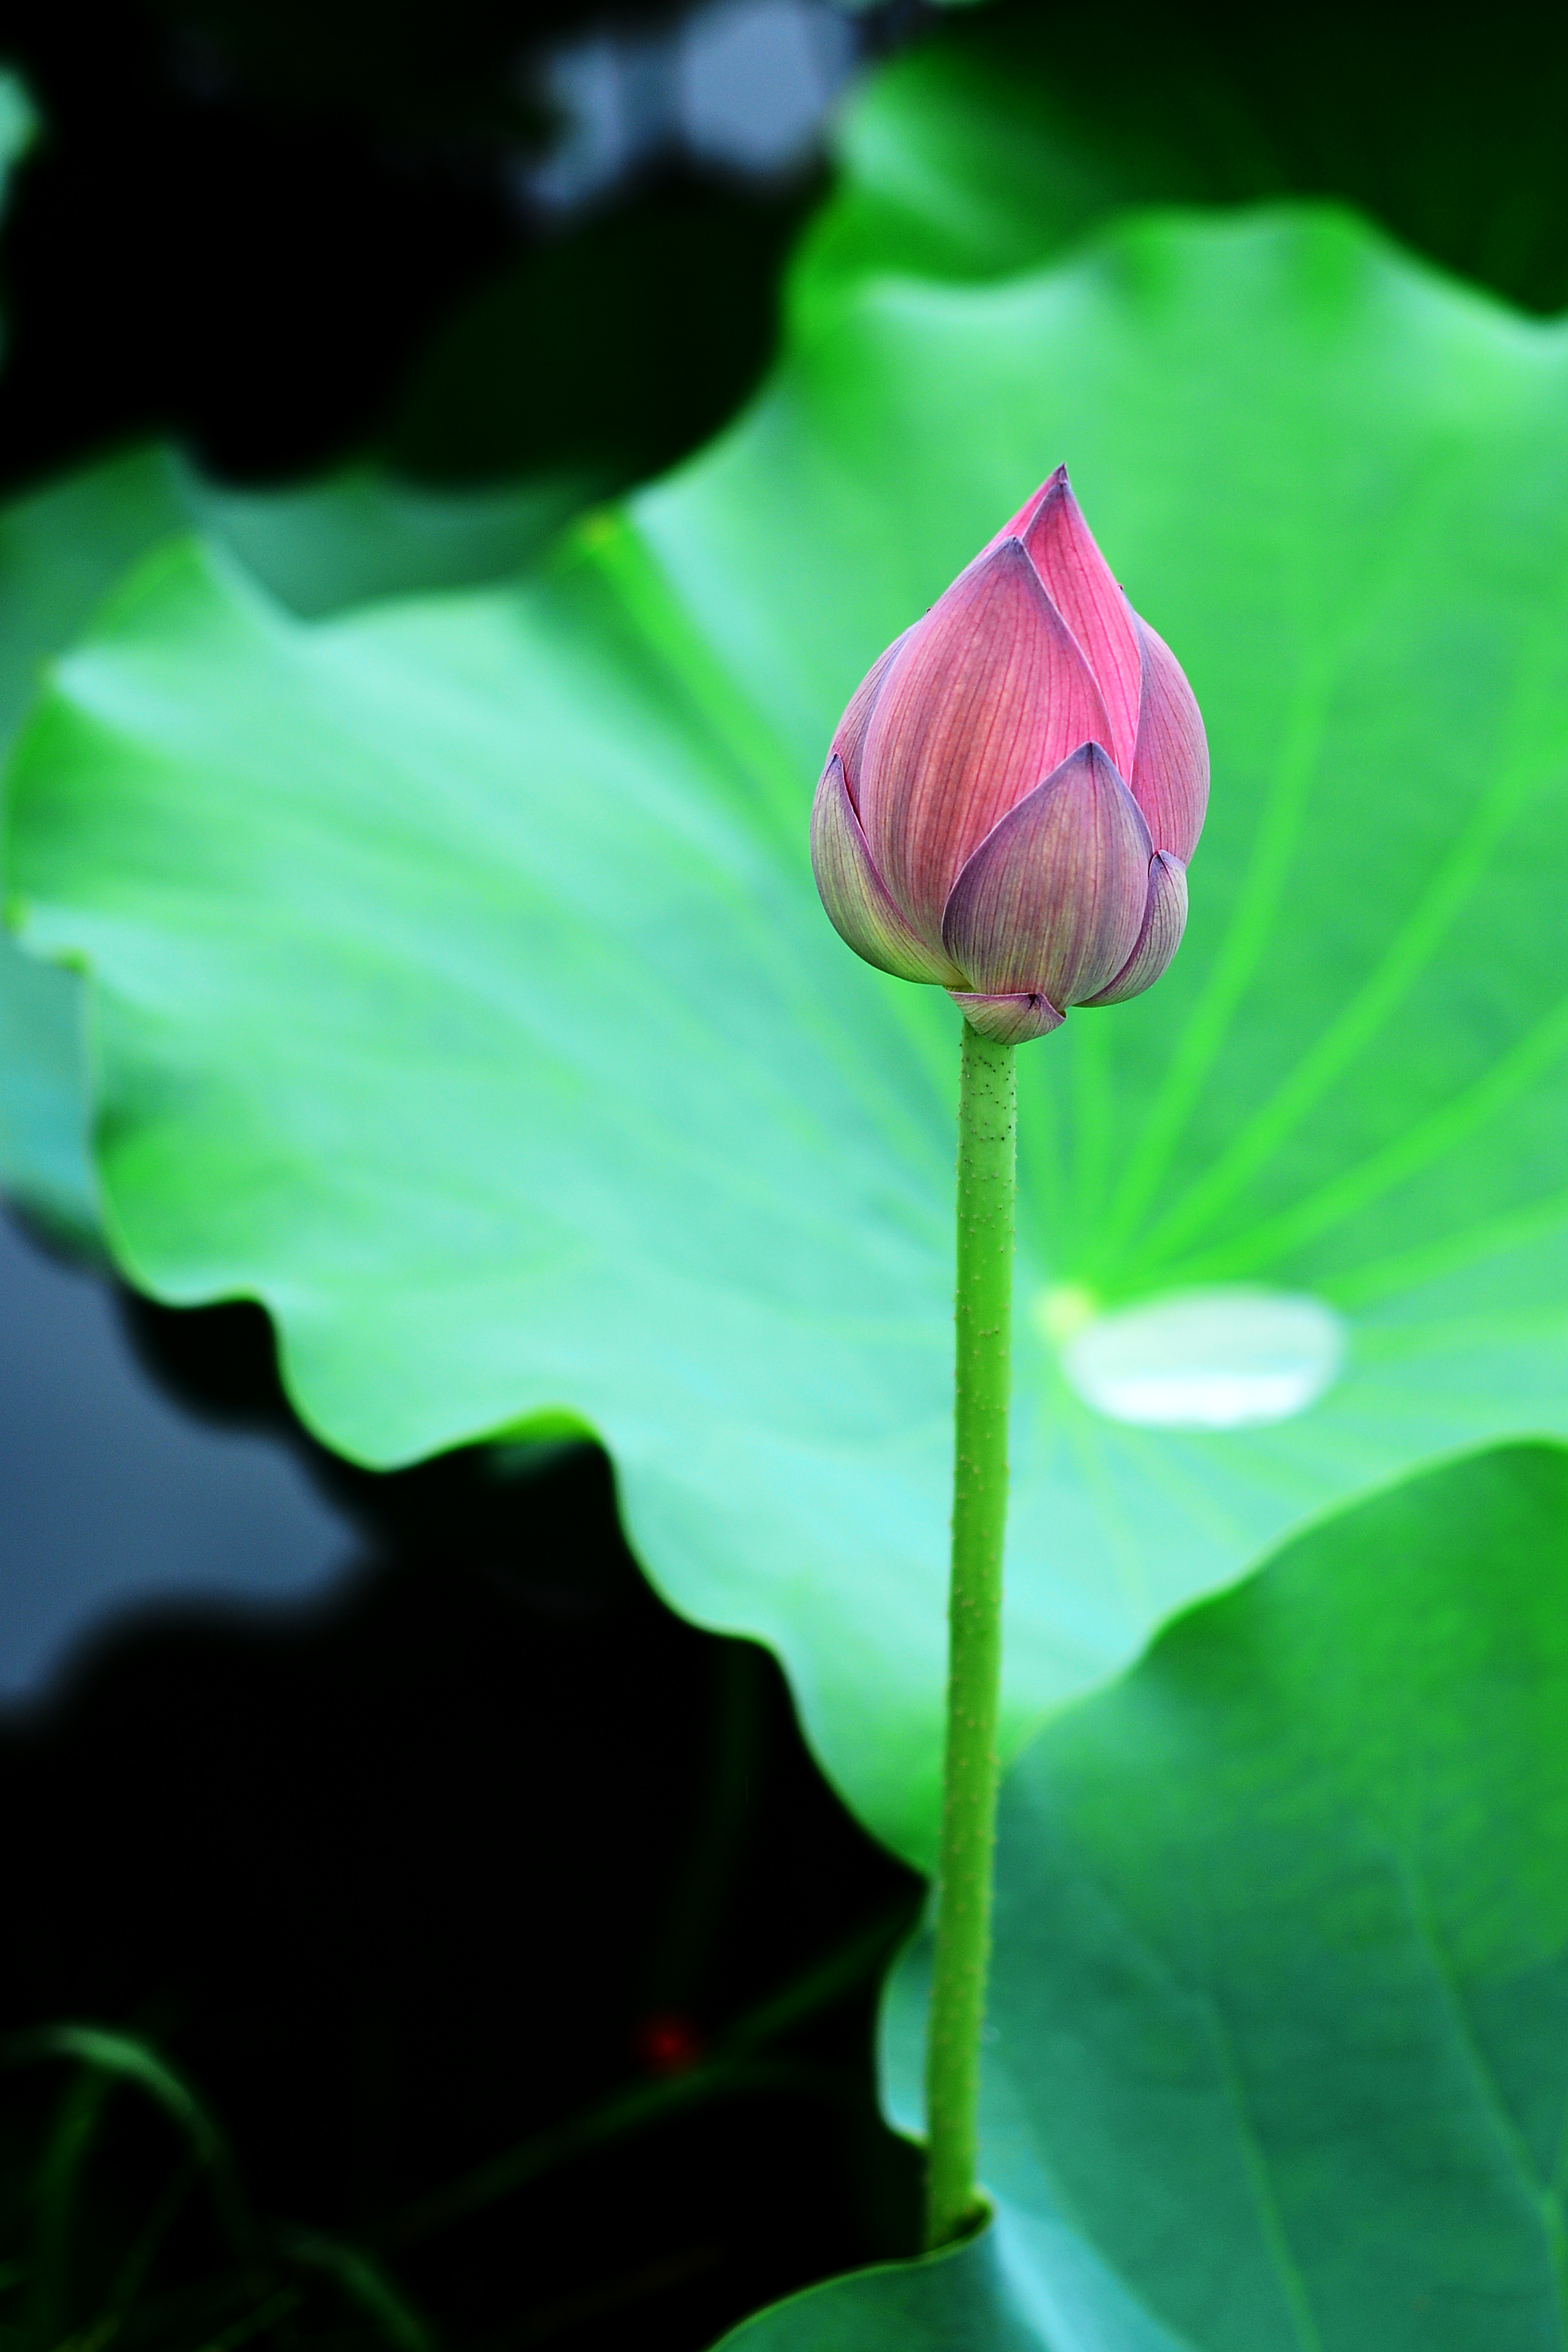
(1228, 1357)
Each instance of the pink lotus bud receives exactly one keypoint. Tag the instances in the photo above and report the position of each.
(1011, 798)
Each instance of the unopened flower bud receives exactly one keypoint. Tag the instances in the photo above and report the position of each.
(1011, 798)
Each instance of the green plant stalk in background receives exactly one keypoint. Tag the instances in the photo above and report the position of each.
(987, 1126)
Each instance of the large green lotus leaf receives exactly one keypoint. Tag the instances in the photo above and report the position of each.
(319, 547)
(1278, 2048)
(460, 990)
(61, 552)
(355, 536)
(960, 2300)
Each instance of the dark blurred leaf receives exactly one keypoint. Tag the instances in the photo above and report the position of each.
(626, 344)
(358, 537)
(19, 127)
(184, 256)
(1006, 133)
(249, 2293)
(116, 2056)
(407, 67)
(364, 2282)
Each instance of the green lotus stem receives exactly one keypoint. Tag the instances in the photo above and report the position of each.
(987, 1123)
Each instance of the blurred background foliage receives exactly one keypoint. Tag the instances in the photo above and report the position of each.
(292, 275)
(287, 239)
(1435, 126)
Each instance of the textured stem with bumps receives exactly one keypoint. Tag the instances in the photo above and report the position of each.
(987, 1121)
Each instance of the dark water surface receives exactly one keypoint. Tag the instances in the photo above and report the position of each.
(402, 1815)
(114, 1496)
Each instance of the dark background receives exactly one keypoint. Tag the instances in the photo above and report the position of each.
(289, 230)
(485, 1841)
(487, 1837)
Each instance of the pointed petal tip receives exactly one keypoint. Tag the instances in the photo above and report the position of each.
(1009, 1020)
(1053, 490)
(1017, 526)
(1170, 776)
(850, 732)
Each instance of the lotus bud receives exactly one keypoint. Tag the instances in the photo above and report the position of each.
(1012, 796)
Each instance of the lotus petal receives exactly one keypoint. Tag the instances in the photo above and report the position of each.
(986, 695)
(849, 735)
(1164, 920)
(1171, 768)
(1083, 589)
(1055, 896)
(1010, 1020)
(853, 892)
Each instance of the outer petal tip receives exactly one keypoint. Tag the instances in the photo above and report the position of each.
(858, 903)
(1170, 777)
(1053, 900)
(1010, 1020)
(1164, 920)
(849, 734)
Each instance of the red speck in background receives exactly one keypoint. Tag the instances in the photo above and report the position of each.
(668, 2043)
